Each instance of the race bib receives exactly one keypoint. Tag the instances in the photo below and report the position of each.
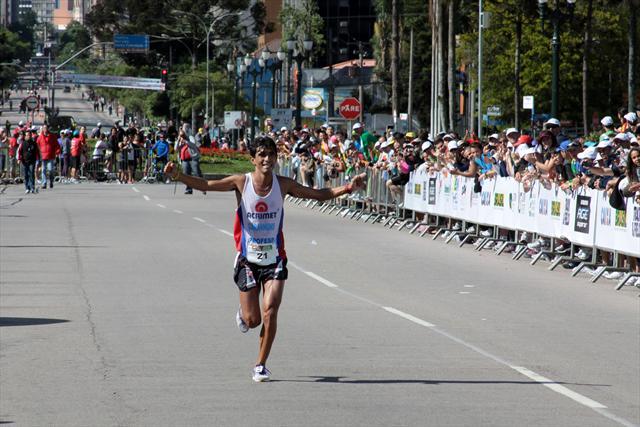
(261, 254)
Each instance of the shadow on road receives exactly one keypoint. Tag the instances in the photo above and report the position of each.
(28, 321)
(345, 380)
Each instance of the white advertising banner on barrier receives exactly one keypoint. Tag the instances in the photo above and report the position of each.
(583, 216)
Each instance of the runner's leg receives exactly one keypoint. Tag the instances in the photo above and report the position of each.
(273, 290)
(250, 304)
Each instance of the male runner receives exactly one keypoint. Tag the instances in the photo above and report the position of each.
(261, 262)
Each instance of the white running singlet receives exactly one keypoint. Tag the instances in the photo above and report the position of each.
(258, 225)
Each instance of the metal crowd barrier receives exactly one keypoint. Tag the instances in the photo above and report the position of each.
(374, 204)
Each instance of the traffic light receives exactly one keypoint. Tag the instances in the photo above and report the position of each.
(164, 76)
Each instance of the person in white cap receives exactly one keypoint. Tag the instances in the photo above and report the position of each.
(632, 121)
(555, 127)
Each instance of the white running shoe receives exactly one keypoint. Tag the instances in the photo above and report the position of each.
(261, 373)
(614, 275)
(456, 226)
(583, 254)
(240, 321)
(471, 229)
(485, 233)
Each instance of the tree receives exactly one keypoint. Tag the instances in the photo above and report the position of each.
(74, 38)
(303, 22)
(12, 49)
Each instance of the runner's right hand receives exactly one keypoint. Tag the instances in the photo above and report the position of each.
(169, 169)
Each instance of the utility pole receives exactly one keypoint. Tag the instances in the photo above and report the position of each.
(394, 60)
(331, 107)
(480, 27)
(410, 93)
(360, 93)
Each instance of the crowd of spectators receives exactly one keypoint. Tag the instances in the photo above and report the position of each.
(608, 160)
(38, 157)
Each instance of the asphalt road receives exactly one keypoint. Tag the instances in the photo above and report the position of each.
(70, 103)
(117, 308)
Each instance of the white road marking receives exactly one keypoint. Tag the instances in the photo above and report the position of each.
(199, 219)
(135, 189)
(469, 286)
(577, 397)
(409, 317)
(161, 206)
(225, 232)
(313, 242)
(320, 279)
(177, 211)
(146, 197)
(583, 400)
(464, 293)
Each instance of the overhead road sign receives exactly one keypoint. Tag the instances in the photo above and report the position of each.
(131, 43)
(124, 82)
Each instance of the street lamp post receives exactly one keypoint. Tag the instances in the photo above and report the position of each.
(237, 76)
(299, 55)
(208, 30)
(274, 65)
(236, 73)
(254, 71)
(557, 17)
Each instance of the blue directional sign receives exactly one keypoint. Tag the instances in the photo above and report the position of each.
(131, 42)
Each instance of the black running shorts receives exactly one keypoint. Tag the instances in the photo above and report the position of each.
(247, 275)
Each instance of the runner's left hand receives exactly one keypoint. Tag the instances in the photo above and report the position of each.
(358, 182)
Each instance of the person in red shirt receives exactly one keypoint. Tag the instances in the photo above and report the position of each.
(77, 149)
(49, 150)
(13, 150)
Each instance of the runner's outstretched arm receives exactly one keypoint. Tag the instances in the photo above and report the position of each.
(229, 183)
(297, 190)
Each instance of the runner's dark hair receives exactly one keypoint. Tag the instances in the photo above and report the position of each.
(262, 141)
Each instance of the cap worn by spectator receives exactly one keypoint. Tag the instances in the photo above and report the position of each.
(588, 153)
(564, 145)
(631, 118)
(607, 121)
(452, 145)
(589, 144)
(356, 125)
(621, 137)
(283, 129)
(449, 137)
(20, 123)
(416, 141)
(494, 136)
(604, 144)
(426, 145)
(523, 139)
(387, 143)
(410, 135)
(511, 130)
(552, 122)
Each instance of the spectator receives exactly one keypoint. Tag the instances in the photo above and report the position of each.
(77, 151)
(99, 151)
(28, 155)
(49, 150)
(66, 152)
